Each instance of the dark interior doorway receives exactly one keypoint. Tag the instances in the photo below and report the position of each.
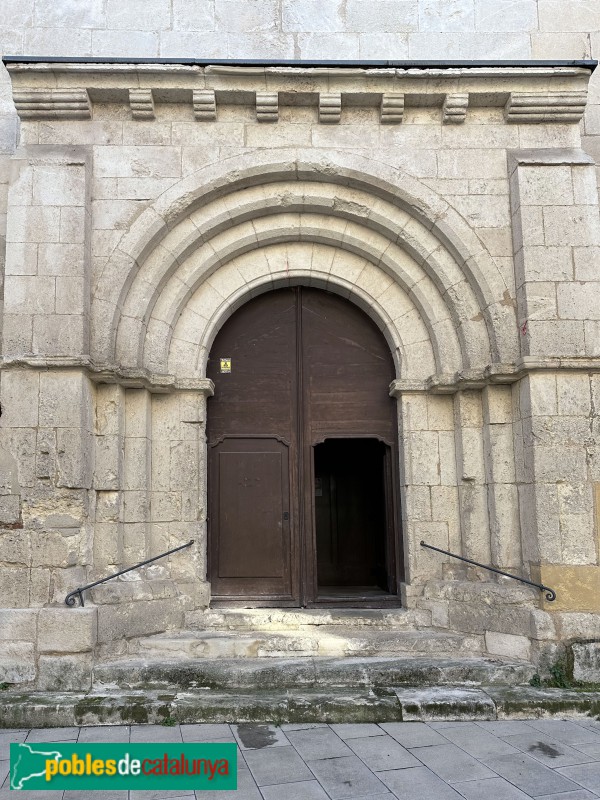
(350, 518)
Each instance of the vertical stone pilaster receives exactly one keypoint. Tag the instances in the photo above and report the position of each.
(109, 475)
(499, 455)
(556, 243)
(472, 489)
(47, 293)
(137, 470)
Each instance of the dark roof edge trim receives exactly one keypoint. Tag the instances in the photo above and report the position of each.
(590, 64)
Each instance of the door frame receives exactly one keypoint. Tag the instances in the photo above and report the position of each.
(302, 508)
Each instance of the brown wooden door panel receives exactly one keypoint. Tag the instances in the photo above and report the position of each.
(306, 366)
(250, 503)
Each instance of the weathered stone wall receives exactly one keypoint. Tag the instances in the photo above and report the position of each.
(471, 240)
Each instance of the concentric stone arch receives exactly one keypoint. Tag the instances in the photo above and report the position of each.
(199, 227)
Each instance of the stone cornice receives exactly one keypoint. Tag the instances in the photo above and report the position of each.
(109, 373)
(528, 95)
(435, 384)
(494, 374)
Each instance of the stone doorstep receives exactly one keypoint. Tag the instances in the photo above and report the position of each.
(294, 619)
(25, 710)
(308, 672)
(334, 641)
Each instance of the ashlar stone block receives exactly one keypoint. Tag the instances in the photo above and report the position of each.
(70, 673)
(67, 630)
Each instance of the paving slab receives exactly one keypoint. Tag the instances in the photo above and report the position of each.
(490, 789)
(567, 732)
(440, 760)
(52, 735)
(548, 751)
(85, 795)
(590, 748)
(477, 742)
(257, 737)
(106, 795)
(345, 777)
(586, 775)
(579, 794)
(418, 783)
(302, 726)
(247, 790)
(104, 733)
(382, 753)
(207, 732)
(155, 733)
(530, 776)
(413, 734)
(357, 730)
(9, 794)
(505, 727)
(319, 743)
(451, 763)
(276, 765)
(303, 790)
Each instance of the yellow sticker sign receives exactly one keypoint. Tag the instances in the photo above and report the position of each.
(225, 365)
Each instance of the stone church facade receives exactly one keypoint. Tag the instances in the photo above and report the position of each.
(147, 204)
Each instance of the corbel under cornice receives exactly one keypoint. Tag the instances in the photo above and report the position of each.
(527, 94)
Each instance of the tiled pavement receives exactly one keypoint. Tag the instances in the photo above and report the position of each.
(511, 760)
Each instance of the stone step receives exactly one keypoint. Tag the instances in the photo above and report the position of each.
(325, 640)
(281, 619)
(54, 709)
(308, 672)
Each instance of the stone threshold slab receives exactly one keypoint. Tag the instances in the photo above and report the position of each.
(55, 709)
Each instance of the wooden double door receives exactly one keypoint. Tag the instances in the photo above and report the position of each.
(302, 439)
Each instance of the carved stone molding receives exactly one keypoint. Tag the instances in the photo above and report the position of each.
(52, 103)
(267, 107)
(546, 94)
(535, 108)
(392, 108)
(205, 104)
(330, 107)
(455, 108)
(141, 103)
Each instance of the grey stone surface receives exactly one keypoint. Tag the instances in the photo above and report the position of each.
(586, 775)
(413, 734)
(548, 751)
(478, 742)
(276, 765)
(321, 743)
(253, 737)
(417, 783)
(356, 731)
(452, 703)
(303, 790)
(281, 772)
(578, 794)
(104, 733)
(490, 789)
(345, 777)
(530, 776)
(382, 753)
(572, 733)
(451, 763)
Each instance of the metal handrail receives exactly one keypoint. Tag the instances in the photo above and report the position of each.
(550, 593)
(70, 598)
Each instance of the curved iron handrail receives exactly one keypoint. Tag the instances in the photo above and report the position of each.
(70, 598)
(550, 593)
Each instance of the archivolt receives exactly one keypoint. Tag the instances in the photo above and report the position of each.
(192, 235)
